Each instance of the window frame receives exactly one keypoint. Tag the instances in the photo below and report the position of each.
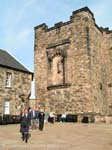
(8, 80)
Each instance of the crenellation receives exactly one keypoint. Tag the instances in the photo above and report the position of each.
(42, 26)
(73, 66)
(84, 9)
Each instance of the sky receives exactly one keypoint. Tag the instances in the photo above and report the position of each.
(19, 17)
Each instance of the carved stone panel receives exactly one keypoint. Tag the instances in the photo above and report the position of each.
(56, 66)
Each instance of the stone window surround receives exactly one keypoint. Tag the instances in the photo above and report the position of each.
(63, 60)
(52, 50)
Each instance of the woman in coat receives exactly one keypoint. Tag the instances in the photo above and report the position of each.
(24, 125)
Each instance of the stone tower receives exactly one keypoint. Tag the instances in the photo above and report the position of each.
(73, 66)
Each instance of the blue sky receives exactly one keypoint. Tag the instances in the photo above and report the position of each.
(19, 17)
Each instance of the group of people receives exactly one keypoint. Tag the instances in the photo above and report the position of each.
(31, 119)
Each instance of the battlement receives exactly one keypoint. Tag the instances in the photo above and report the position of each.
(44, 27)
(86, 9)
(60, 24)
(107, 30)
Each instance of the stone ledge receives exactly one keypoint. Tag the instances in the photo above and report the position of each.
(64, 41)
(58, 86)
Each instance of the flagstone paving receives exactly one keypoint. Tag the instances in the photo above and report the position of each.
(59, 136)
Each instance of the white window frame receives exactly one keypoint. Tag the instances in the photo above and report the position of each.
(6, 107)
(8, 80)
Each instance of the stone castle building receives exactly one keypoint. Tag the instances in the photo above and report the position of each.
(73, 66)
(15, 85)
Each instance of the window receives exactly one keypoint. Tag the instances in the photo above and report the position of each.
(8, 79)
(7, 107)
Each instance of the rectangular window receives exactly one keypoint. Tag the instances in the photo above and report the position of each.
(7, 107)
(8, 79)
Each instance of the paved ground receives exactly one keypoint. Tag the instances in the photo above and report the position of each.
(60, 136)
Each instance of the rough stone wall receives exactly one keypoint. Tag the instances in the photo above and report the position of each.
(84, 47)
(100, 68)
(107, 64)
(95, 65)
(109, 81)
(18, 93)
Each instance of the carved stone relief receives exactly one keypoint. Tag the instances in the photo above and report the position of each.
(56, 65)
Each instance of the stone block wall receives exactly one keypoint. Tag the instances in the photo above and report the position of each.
(18, 93)
(80, 85)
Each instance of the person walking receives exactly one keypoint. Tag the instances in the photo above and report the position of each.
(24, 125)
(46, 117)
(32, 114)
(52, 117)
(36, 117)
(41, 116)
(63, 117)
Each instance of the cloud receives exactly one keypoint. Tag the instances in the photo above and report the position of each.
(29, 3)
(16, 40)
(20, 15)
(24, 34)
(102, 11)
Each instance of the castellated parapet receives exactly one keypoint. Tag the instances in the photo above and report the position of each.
(73, 66)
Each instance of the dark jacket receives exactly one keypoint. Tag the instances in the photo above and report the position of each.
(24, 123)
(41, 120)
(41, 116)
(35, 114)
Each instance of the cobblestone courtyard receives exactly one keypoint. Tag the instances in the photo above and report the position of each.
(60, 136)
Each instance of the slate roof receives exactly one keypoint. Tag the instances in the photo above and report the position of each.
(8, 61)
